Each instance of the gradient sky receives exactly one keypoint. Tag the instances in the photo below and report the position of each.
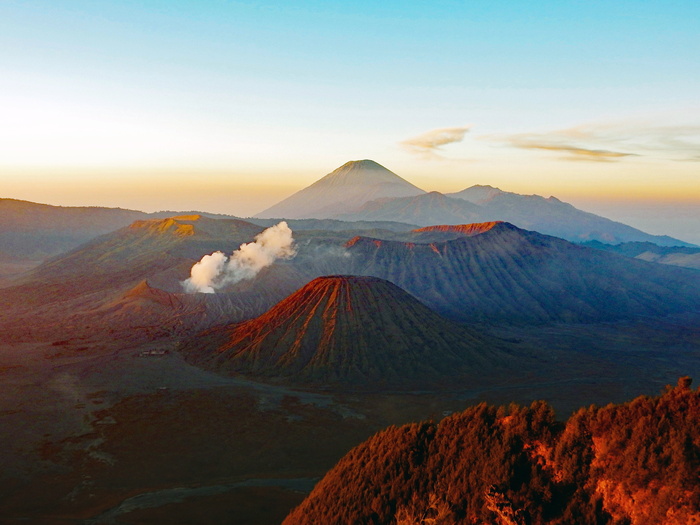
(230, 106)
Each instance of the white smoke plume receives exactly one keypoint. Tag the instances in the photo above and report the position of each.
(216, 270)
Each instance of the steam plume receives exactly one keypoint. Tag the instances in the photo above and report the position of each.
(216, 270)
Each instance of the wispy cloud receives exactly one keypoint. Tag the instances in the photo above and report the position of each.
(428, 144)
(611, 142)
(574, 153)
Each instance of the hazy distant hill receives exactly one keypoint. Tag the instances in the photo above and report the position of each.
(342, 190)
(31, 231)
(553, 217)
(635, 463)
(37, 231)
(424, 210)
(684, 256)
(363, 332)
(484, 204)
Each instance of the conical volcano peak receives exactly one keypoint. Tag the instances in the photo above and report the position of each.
(340, 291)
(347, 329)
(362, 172)
(345, 189)
(365, 164)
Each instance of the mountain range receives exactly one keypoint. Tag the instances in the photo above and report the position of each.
(501, 274)
(480, 273)
(365, 190)
(358, 195)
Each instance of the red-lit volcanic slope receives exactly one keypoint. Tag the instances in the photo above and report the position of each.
(348, 329)
(465, 229)
(634, 463)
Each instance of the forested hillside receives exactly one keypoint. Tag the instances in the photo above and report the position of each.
(636, 464)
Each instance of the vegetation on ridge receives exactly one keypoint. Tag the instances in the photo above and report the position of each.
(637, 464)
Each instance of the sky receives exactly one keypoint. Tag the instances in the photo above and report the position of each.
(229, 107)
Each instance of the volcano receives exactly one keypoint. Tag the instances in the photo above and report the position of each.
(506, 274)
(350, 330)
(343, 190)
(497, 273)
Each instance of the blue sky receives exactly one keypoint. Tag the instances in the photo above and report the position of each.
(241, 103)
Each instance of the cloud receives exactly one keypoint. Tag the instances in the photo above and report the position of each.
(613, 141)
(575, 153)
(428, 143)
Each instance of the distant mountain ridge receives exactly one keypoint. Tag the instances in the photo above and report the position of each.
(531, 212)
(359, 191)
(356, 192)
(37, 231)
(31, 232)
(684, 256)
(425, 210)
(554, 217)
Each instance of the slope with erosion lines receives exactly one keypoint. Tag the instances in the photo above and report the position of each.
(357, 331)
(501, 275)
(510, 275)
